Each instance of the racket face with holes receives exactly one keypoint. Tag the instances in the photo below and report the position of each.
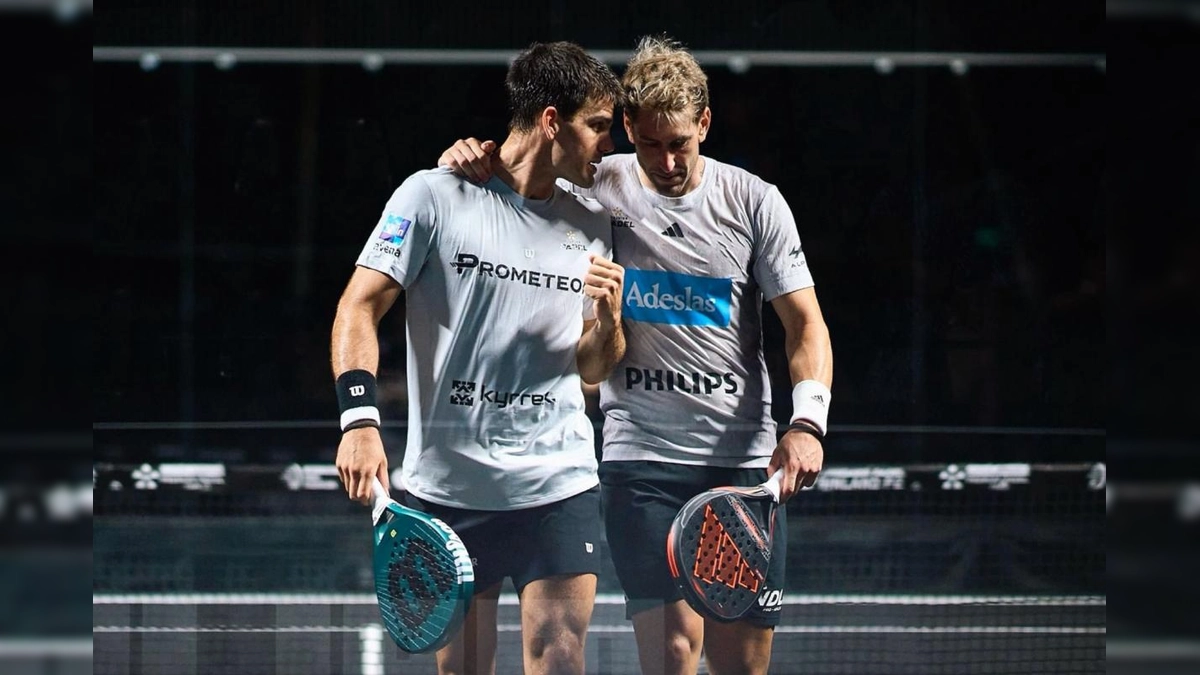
(423, 579)
(718, 551)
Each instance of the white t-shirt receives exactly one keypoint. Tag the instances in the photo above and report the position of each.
(495, 307)
(693, 386)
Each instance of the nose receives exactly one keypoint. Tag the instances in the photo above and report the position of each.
(667, 162)
(606, 144)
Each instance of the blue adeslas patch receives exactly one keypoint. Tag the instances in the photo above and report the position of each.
(678, 299)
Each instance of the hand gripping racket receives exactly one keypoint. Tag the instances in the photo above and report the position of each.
(423, 575)
(718, 549)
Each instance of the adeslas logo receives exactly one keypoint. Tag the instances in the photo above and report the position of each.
(674, 298)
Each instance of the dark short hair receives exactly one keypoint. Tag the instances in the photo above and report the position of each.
(559, 74)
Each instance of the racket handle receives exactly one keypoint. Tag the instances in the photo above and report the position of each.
(378, 491)
(774, 484)
(380, 502)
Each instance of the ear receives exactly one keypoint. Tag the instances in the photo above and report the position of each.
(549, 122)
(628, 126)
(705, 120)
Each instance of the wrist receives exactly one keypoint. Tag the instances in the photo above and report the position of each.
(605, 328)
(810, 404)
(356, 392)
(800, 426)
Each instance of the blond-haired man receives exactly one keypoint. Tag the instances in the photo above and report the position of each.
(703, 243)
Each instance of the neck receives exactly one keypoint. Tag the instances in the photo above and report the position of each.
(523, 163)
(694, 177)
(693, 181)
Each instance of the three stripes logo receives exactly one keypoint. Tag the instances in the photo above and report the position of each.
(673, 230)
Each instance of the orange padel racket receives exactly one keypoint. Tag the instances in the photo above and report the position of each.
(719, 547)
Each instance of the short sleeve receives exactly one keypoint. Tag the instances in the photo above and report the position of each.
(779, 263)
(403, 237)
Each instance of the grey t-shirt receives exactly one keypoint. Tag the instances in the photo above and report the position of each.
(495, 307)
(693, 387)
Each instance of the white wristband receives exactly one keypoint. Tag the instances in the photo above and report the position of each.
(810, 402)
(365, 412)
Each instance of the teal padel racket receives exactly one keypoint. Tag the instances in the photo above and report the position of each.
(423, 575)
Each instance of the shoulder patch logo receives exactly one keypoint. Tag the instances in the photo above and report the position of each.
(394, 228)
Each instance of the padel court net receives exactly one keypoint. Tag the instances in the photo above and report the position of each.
(217, 568)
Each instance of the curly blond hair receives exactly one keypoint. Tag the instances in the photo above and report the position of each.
(664, 78)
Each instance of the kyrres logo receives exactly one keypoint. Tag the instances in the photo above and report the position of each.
(462, 392)
(679, 299)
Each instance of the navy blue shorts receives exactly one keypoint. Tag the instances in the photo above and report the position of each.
(641, 499)
(526, 544)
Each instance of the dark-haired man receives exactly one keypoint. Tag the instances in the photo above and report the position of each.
(501, 281)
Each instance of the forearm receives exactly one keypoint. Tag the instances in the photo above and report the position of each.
(810, 362)
(810, 354)
(355, 341)
(600, 349)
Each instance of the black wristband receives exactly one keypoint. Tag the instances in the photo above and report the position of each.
(356, 390)
(806, 427)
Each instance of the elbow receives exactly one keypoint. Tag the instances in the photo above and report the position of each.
(593, 371)
(599, 354)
